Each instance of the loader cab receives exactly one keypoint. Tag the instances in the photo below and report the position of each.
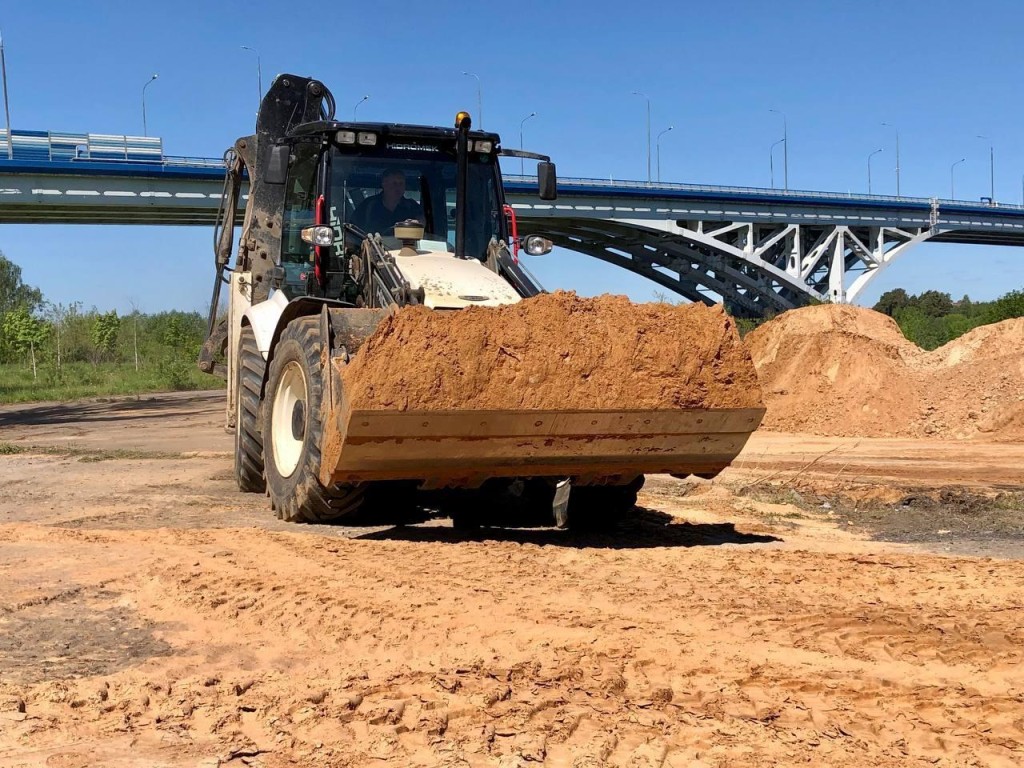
(336, 170)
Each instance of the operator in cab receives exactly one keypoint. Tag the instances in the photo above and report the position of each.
(381, 212)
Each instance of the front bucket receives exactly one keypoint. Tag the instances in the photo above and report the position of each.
(464, 448)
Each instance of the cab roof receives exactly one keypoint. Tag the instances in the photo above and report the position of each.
(396, 130)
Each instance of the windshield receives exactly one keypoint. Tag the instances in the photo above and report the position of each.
(376, 187)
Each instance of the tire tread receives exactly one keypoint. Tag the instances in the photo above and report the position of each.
(249, 469)
(310, 501)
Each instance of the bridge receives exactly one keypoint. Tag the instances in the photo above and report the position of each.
(758, 250)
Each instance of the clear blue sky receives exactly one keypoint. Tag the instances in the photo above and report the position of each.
(941, 73)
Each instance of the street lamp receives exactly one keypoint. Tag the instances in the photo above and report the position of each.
(952, 186)
(7, 109)
(658, 142)
(785, 149)
(367, 96)
(890, 125)
(991, 169)
(154, 77)
(880, 149)
(479, 99)
(259, 76)
(771, 160)
(532, 114)
(638, 93)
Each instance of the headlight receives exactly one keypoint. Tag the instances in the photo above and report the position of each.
(368, 139)
(484, 146)
(535, 245)
(318, 235)
(345, 137)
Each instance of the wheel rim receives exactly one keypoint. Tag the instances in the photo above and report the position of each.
(289, 399)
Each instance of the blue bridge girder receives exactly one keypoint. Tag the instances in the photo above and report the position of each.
(758, 250)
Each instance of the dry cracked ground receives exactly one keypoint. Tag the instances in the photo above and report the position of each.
(826, 602)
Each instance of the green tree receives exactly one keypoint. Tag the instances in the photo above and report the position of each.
(182, 334)
(934, 303)
(62, 317)
(104, 332)
(922, 329)
(13, 291)
(1005, 307)
(24, 332)
(893, 301)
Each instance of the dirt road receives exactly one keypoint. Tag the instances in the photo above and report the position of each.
(153, 616)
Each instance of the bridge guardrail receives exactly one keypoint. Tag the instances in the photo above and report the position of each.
(581, 181)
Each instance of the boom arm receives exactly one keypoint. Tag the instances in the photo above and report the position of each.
(291, 101)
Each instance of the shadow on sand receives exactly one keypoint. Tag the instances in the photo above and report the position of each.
(643, 528)
(184, 405)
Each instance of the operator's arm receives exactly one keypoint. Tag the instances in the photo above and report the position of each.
(410, 209)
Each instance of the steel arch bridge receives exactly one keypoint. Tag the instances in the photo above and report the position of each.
(757, 250)
(760, 251)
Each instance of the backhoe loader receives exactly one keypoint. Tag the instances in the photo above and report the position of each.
(320, 266)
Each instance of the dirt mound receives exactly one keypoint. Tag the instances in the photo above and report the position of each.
(833, 370)
(976, 383)
(555, 351)
(999, 341)
(842, 370)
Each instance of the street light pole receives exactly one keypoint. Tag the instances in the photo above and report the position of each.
(890, 125)
(144, 128)
(532, 114)
(7, 109)
(479, 98)
(648, 98)
(658, 142)
(367, 96)
(785, 149)
(771, 160)
(259, 76)
(869, 167)
(991, 169)
(952, 186)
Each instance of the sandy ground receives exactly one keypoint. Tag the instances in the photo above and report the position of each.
(151, 615)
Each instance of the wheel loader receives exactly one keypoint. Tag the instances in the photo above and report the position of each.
(316, 276)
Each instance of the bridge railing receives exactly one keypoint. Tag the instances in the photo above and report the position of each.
(654, 187)
(193, 162)
(63, 146)
(51, 146)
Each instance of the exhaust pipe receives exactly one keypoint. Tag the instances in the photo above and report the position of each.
(462, 125)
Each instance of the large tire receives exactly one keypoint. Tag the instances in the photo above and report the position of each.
(293, 432)
(601, 507)
(248, 442)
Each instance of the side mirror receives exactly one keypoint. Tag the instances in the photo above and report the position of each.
(277, 165)
(547, 181)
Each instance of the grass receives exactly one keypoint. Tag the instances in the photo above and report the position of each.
(78, 380)
(1009, 500)
(86, 454)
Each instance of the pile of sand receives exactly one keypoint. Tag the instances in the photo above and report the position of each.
(555, 351)
(842, 370)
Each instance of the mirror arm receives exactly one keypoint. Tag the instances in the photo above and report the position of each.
(525, 155)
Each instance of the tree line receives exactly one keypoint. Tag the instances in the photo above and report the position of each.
(54, 350)
(932, 318)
